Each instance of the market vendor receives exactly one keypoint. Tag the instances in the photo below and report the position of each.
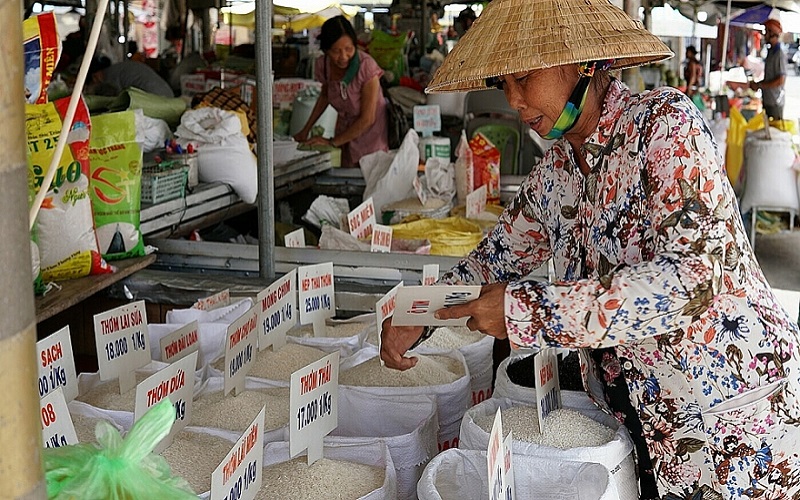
(679, 333)
(351, 84)
(111, 79)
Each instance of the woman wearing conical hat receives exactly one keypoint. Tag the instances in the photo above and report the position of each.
(679, 333)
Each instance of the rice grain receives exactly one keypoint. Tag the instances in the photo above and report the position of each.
(333, 330)
(194, 456)
(325, 478)
(236, 413)
(279, 365)
(453, 337)
(106, 395)
(429, 370)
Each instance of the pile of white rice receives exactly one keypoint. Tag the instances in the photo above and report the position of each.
(194, 456)
(280, 364)
(236, 413)
(325, 478)
(429, 370)
(333, 330)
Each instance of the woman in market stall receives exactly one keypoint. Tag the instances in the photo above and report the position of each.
(351, 84)
(679, 333)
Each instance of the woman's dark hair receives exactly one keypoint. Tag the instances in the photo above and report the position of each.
(333, 29)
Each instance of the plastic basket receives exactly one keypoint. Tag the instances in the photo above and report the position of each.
(163, 182)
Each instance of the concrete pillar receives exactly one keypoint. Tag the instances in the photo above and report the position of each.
(632, 77)
(21, 474)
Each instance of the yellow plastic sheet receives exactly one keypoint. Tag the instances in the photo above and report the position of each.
(734, 154)
(453, 236)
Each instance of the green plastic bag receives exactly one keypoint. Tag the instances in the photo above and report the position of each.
(387, 50)
(115, 185)
(117, 469)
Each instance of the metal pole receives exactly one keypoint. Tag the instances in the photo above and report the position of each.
(21, 474)
(724, 56)
(266, 183)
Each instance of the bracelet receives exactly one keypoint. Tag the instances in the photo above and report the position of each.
(427, 332)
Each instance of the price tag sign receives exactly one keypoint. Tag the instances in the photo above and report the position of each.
(381, 239)
(495, 456)
(427, 119)
(314, 406)
(476, 202)
(295, 239)
(57, 427)
(548, 390)
(240, 473)
(241, 344)
(430, 274)
(57, 365)
(361, 220)
(277, 311)
(180, 343)
(121, 340)
(416, 305)
(508, 467)
(421, 194)
(175, 382)
(215, 301)
(317, 302)
(385, 308)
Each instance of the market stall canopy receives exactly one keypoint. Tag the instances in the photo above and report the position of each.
(313, 20)
(759, 14)
(669, 22)
(243, 14)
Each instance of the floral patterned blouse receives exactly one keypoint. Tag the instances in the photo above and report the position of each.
(653, 261)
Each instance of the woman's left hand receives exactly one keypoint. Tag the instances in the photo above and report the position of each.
(318, 140)
(486, 313)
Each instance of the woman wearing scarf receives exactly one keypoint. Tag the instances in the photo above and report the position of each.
(679, 334)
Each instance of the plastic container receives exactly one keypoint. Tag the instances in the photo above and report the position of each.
(188, 160)
(163, 182)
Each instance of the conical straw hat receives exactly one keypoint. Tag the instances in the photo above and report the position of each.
(512, 36)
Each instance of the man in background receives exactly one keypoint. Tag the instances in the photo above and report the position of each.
(771, 86)
(111, 79)
(693, 72)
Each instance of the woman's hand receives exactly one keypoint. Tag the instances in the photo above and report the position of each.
(395, 341)
(486, 313)
(319, 141)
(301, 136)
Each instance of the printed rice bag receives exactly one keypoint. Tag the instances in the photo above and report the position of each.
(42, 49)
(36, 268)
(486, 166)
(115, 185)
(67, 242)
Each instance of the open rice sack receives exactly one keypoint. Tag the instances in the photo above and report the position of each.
(443, 374)
(67, 243)
(362, 470)
(408, 425)
(477, 350)
(346, 335)
(116, 185)
(461, 474)
(569, 436)
(276, 367)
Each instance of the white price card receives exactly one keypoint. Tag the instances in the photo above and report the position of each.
(277, 311)
(180, 343)
(295, 239)
(381, 239)
(317, 301)
(548, 390)
(241, 344)
(57, 365)
(495, 456)
(427, 119)
(422, 196)
(362, 219)
(508, 467)
(416, 305)
(122, 346)
(57, 427)
(476, 202)
(430, 274)
(176, 383)
(385, 308)
(220, 299)
(239, 475)
(313, 406)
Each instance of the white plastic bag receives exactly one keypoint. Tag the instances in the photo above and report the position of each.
(408, 425)
(326, 210)
(440, 178)
(223, 153)
(452, 399)
(227, 314)
(463, 169)
(461, 474)
(390, 176)
(372, 452)
(616, 456)
(150, 132)
(770, 180)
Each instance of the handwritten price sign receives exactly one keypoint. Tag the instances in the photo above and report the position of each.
(239, 475)
(277, 315)
(548, 390)
(57, 365)
(57, 427)
(314, 406)
(240, 350)
(317, 300)
(361, 220)
(416, 305)
(121, 340)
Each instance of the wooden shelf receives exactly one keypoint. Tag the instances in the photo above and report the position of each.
(74, 291)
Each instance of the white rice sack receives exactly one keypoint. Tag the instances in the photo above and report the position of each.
(347, 336)
(277, 365)
(105, 396)
(505, 388)
(226, 315)
(770, 181)
(460, 474)
(451, 391)
(362, 470)
(85, 419)
(231, 415)
(408, 425)
(194, 455)
(607, 443)
(477, 350)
